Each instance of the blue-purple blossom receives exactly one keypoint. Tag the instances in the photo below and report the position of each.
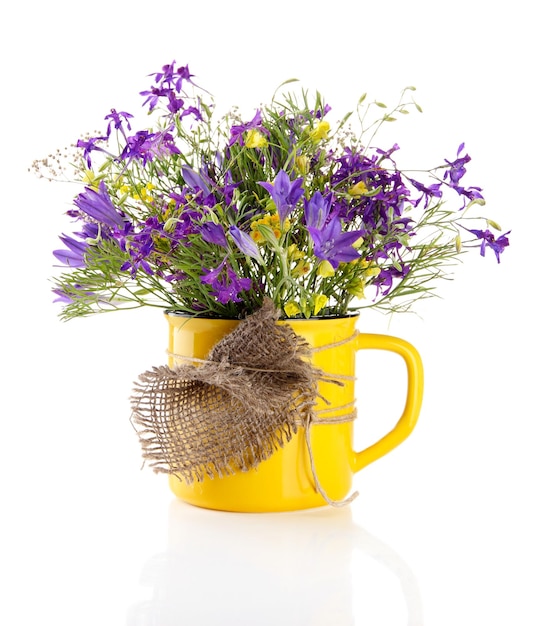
(225, 283)
(488, 240)
(214, 233)
(333, 245)
(116, 119)
(168, 81)
(90, 145)
(146, 146)
(428, 191)
(195, 180)
(385, 280)
(285, 193)
(455, 172)
(386, 194)
(245, 243)
(98, 205)
(317, 210)
(237, 132)
(74, 254)
(63, 298)
(168, 75)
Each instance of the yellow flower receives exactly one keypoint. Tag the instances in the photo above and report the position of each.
(357, 190)
(256, 236)
(255, 139)
(321, 131)
(356, 288)
(372, 271)
(145, 193)
(292, 308)
(302, 164)
(90, 178)
(294, 254)
(272, 221)
(325, 269)
(319, 300)
(300, 269)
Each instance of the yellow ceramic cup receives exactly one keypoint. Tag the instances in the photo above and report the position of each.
(288, 480)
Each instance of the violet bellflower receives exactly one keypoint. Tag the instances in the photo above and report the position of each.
(333, 245)
(195, 180)
(98, 205)
(285, 193)
(74, 254)
(245, 243)
(214, 233)
(317, 209)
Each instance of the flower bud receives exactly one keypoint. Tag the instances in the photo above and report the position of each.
(325, 269)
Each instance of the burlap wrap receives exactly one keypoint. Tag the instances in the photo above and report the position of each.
(234, 409)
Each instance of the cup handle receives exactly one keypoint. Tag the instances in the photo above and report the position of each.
(413, 403)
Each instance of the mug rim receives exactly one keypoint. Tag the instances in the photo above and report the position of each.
(313, 318)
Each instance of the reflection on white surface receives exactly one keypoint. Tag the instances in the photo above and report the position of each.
(305, 568)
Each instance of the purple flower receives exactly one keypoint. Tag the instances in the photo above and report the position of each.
(98, 205)
(285, 193)
(74, 255)
(88, 146)
(195, 180)
(237, 131)
(225, 283)
(385, 280)
(214, 233)
(145, 146)
(115, 118)
(331, 244)
(317, 209)
(428, 192)
(488, 240)
(65, 298)
(454, 173)
(245, 243)
(168, 81)
(170, 76)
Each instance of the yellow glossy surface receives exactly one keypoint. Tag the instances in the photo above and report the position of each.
(285, 481)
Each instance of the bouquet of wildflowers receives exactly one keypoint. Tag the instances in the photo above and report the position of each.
(209, 215)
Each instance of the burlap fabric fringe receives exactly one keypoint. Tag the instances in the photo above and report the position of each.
(233, 410)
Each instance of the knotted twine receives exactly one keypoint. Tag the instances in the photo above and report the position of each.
(231, 411)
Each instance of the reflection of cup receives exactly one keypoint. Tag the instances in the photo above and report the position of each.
(295, 477)
(296, 568)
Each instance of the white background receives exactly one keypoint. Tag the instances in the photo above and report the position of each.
(441, 533)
